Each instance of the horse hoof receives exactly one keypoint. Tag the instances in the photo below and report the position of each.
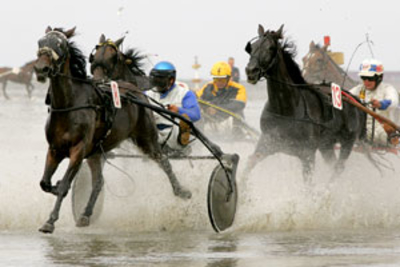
(183, 193)
(83, 221)
(46, 187)
(47, 228)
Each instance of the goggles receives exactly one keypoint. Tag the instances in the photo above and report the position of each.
(370, 79)
(161, 83)
(225, 79)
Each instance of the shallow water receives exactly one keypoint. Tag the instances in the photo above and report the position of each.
(354, 221)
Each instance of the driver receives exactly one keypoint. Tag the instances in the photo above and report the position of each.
(382, 97)
(224, 93)
(175, 98)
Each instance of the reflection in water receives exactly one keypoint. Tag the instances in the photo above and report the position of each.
(367, 247)
(157, 248)
(222, 250)
(104, 250)
(79, 250)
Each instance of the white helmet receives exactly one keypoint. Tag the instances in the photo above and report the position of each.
(370, 68)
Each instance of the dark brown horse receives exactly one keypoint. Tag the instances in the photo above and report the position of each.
(108, 62)
(298, 118)
(22, 75)
(81, 126)
(319, 67)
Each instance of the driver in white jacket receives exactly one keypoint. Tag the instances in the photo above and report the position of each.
(382, 97)
(175, 97)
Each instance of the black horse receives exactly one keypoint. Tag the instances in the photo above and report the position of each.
(80, 124)
(108, 62)
(298, 118)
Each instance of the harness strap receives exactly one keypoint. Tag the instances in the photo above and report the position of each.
(110, 43)
(55, 110)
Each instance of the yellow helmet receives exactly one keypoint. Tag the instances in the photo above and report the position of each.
(221, 69)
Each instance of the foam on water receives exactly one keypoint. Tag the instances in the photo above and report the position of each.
(272, 197)
(277, 199)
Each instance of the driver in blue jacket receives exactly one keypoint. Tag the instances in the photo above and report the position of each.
(176, 98)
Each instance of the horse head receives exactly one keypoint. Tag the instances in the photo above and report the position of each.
(316, 64)
(263, 53)
(320, 67)
(53, 52)
(105, 58)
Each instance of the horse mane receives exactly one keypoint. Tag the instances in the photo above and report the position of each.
(136, 65)
(289, 52)
(77, 59)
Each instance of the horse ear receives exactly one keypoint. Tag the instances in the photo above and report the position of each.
(70, 32)
(312, 46)
(261, 30)
(48, 29)
(279, 33)
(119, 41)
(102, 39)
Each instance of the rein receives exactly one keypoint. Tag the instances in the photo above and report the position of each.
(56, 110)
(60, 110)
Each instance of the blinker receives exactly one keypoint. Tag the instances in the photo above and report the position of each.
(248, 48)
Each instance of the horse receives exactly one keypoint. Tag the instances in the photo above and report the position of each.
(81, 125)
(298, 119)
(319, 68)
(108, 62)
(22, 75)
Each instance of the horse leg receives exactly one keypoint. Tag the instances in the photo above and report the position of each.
(28, 90)
(96, 168)
(76, 158)
(153, 149)
(261, 152)
(308, 162)
(345, 150)
(4, 90)
(178, 189)
(52, 162)
(327, 149)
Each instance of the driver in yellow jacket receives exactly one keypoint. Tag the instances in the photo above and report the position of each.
(223, 92)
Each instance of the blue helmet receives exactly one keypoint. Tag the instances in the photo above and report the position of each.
(164, 69)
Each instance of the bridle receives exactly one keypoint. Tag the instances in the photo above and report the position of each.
(54, 45)
(262, 71)
(96, 64)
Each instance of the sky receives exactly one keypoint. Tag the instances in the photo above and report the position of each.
(212, 30)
